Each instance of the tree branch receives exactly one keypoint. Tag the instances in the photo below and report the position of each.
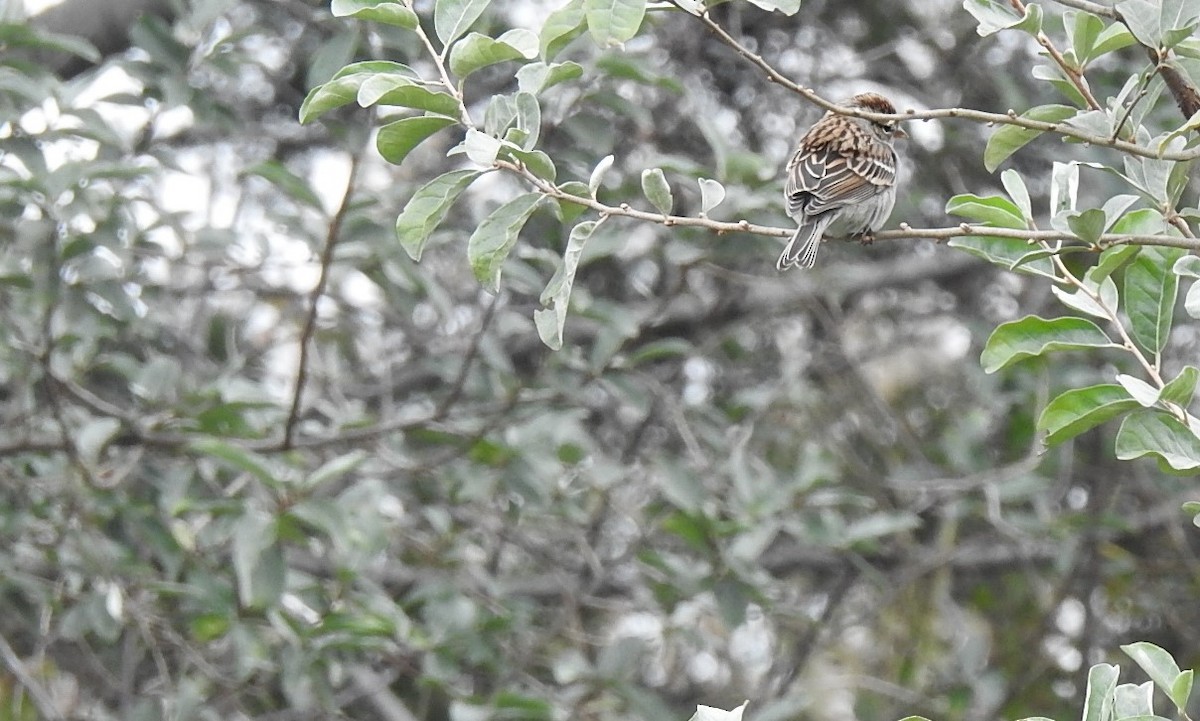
(310, 322)
(979, 116)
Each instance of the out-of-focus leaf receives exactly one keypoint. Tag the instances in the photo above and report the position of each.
(552, 317)
(428, 208)
(1082, 409)
(1151, 289)
(390, 12)
(292, 185)
(612, 22)
(258, 560)
(1033, 336)
(335, 468)
(239, 458)
(786, 7)
(91, 439)
(492, 241)
(397, 139)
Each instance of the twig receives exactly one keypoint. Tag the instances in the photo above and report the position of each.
(1075, 75)
(310, 322)
(460, 380)
(904, 232)
(46, 707)
(1090, 7)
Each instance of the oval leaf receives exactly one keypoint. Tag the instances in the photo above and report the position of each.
(612, 22)
(452, 18)
(492, 241)
(427, 208)
(656, 189)
(396, 140)
(1153, 433)
(1082, 409)
(1033, 336)
(1151, 289)
(551, 319)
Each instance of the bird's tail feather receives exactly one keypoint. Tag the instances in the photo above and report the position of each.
(801, 248)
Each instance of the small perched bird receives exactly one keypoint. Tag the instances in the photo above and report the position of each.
(842, 179)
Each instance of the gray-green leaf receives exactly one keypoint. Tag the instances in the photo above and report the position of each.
(551, 319)
(495, 237)
(428, 207)
(656, 189)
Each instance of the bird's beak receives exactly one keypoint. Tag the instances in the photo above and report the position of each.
(898, 133)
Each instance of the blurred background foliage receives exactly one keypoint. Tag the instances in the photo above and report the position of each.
(728, 484)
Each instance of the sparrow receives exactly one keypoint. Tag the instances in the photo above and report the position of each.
(841, 179)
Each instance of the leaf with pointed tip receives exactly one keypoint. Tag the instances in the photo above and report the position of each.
(490, 244)
(1009, 253)
(398, 90)
(343, 87)
(1082, 409)
(1158, 434)
(552, 317)
(1014, 185)
(561, 27)
(476, 51)
(1163, 671)
(1181, 389)
(1032, 336)
(397, 139)
(993, 210)
(1008, 139)
(452, 18)
(428, 207)
(1151, 289)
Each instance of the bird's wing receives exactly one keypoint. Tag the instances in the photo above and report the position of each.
(827, 176)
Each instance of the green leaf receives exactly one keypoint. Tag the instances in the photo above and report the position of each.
(1133, 700)
(1033, 336)
(1014, 185)
(1082, 409)
(492, 241)
(567, 210)
(535, 161)
(1162, 670)
(597, 176)
(1158, 434)
(1096, 299)
(21, 35)
(1145, 394)
(428, 207)
(1110, 261)
(400, 90)
(1101, 687)
(343, 87)
(292, 185)
(537, 77)
(993, 210)
(1115, 37)
(1008, 253)
(1151, 289)
(481, 148)
(477, 51)
(563, 26)
(1085, 29)
(996, 15)
(656, 190)
(258, 560)
(452, 18)
(612, 22)
(711, 194)
(390, 12)
(239, 458)
(1008, 139)
(552, 317)
(1182, 388)
(397, 139)
(529, 118)
(94, 436)
(335, 468)
(1089, 225)
(785, 7)
(1187, 266)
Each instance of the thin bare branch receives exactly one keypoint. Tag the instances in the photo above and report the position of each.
(310, 322)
